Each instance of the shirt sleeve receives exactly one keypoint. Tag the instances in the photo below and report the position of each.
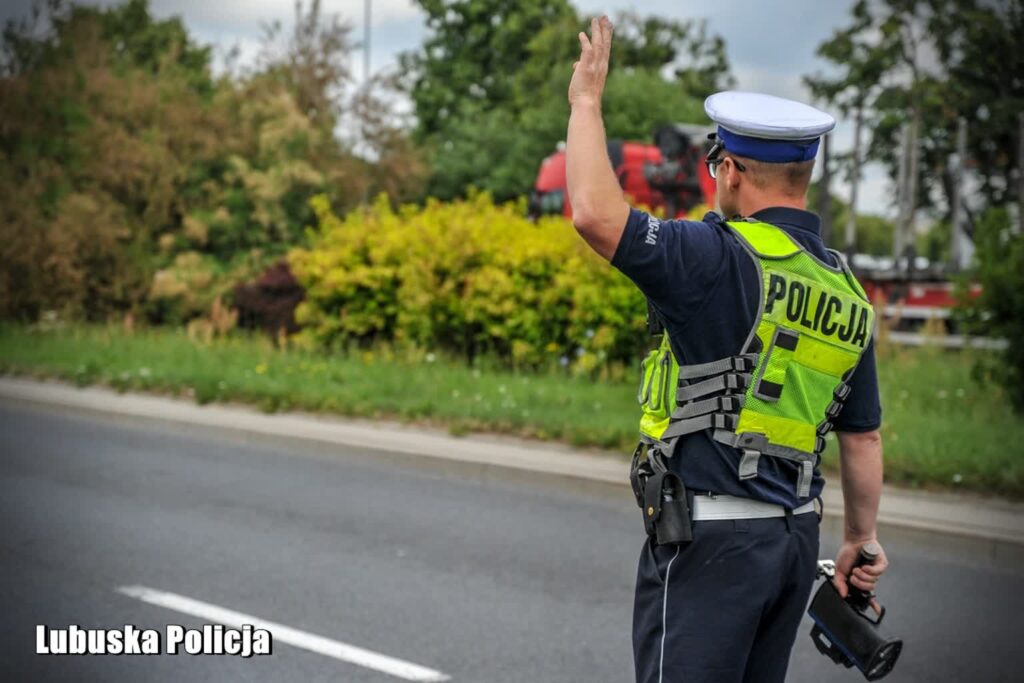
(673, 262)
(862, 410)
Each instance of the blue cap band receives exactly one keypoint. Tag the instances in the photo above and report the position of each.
(774, 151)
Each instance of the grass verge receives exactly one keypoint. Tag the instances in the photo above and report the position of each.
(942, 427)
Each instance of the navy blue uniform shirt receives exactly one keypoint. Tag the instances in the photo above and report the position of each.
(704, 287)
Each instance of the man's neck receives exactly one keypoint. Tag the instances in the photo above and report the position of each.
(755, 204)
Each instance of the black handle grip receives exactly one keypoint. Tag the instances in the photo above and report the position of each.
(869, 552)
(858, 598)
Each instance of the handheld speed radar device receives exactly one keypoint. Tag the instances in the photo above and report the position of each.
(843, 630)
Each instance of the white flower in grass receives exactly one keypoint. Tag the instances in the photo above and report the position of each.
(145, 372)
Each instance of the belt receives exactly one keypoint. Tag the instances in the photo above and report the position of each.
(707, 507)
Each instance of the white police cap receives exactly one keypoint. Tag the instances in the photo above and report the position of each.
(767, 128)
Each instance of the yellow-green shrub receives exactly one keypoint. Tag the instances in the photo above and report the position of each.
(468, 277)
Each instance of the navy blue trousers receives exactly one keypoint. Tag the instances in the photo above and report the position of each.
(725, 607)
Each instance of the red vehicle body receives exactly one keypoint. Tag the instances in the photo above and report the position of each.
(909, 300)
(668, 176)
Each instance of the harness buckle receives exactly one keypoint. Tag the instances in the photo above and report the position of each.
(736, 381)
(748, 464)
(725, 421)
(742, 363)
(833, 409)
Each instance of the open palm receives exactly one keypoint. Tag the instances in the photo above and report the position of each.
(590, 72)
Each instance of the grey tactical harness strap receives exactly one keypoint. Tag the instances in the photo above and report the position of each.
(755, 445)
(742, 363)
(729, 382)
(678, 428)
(713, 402)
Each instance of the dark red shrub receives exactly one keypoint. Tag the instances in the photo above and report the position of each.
(269, 302)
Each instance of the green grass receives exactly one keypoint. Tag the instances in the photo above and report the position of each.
(941, 427)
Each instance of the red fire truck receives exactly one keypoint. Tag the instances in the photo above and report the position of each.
(668, 176)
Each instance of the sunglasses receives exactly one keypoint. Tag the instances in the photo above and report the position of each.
(715, 157)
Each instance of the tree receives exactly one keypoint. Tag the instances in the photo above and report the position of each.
(103, 110)
(312, 62)
(471, 57)
(934, 61)
(489, 88)
(133, 179)
(697, 59)
(999, 310)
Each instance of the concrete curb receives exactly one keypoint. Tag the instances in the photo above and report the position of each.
(999, 525)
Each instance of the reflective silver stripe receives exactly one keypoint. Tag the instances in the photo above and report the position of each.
(664, 612)
(707, 508)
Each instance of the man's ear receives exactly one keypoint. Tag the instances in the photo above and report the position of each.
(732, 174)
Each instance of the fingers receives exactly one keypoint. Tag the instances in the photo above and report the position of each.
(601, 32)
(859, 581)
(596, 35)
(606, 34)
(600, 39)
(866, 576)
(871, 570)
(585, 45)
(839, 581)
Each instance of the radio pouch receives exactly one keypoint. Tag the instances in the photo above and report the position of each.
(667, 509)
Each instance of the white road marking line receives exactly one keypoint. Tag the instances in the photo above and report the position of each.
(287, 634)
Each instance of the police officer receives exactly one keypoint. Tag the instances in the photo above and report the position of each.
(764, 328)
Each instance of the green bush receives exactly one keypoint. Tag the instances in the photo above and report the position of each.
(999, 310)
(468, 277)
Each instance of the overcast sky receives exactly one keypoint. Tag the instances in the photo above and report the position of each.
(770, 45)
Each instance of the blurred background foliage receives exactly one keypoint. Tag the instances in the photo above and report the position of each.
(141, 183)
(479, 280)
(148, 184)
(145, 183)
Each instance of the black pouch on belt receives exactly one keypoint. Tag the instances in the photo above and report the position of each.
(640, 471)
(667, 509)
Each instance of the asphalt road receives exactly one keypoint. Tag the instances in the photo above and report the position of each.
(483, 579)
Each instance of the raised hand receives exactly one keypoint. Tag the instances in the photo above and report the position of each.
(590, 72)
